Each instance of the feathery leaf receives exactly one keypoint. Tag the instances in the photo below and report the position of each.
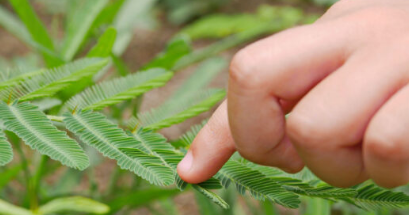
(11, 78)
(299, 184)
(371, 197)
(6, 152)
(95, 130)
(212, 196)
(155, 144)
(51, 81)
(188, 137)
(178, 111)
(259, 186)
(32, 125)
(117, 90)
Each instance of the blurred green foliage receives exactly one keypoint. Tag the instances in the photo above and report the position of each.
(106, 29)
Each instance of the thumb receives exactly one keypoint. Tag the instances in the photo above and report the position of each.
(212, 147)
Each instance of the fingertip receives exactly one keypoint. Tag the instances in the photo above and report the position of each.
(186, 164)
(211, 148)
(187, 172)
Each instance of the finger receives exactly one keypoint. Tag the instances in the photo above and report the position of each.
(386, 142)
(280, 68)
(328, 124)
(212, 147)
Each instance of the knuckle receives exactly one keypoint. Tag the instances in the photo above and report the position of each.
(304, 132)
(386, 145)
(242, 69)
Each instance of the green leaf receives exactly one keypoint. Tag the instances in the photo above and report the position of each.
(13, 25)
(9, 209)
(80, 19)
(6, 152)
(178, 111)
(259, 186)
(107, 15)
(54, 80)
(202, 76)
(176, 49)
(36, 28)
(205, 205)
(300, 184)
(188, 137)
(156, 145)
(11, 78)
(118, 90)
(95, 130)
(75, 204)
(371, 197)
(323, 190)
(213, 196)
(105, 43)
(39, 133)
(222, 25)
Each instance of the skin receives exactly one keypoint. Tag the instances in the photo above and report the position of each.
(345, 81)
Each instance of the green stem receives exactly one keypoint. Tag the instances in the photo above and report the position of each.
(33, 185)
(55, 118)
(27, 175)
(24, 162)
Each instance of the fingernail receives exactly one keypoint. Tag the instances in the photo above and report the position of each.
(186, 162)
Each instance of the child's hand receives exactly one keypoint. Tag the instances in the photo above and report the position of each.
(345, 81)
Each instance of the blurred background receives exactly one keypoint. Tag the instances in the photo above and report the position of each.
(145, 30)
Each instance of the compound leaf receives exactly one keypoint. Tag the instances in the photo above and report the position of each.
(32, 125)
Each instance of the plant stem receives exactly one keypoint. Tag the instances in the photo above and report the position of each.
(35, 183)
(27, 175)
(223, 45)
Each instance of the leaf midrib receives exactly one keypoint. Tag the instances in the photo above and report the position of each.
(106, 141)
(20, 118)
